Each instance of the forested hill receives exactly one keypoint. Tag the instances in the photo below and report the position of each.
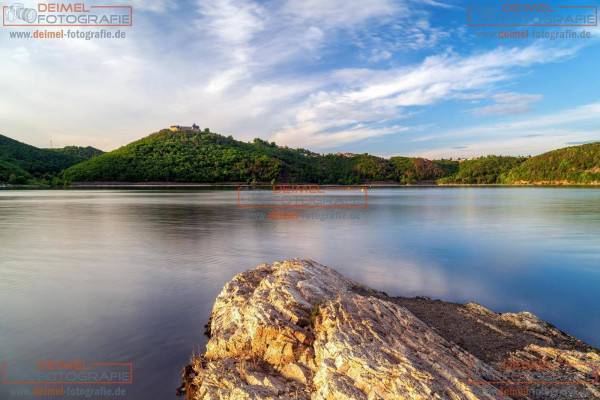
(79, 153)
(23, 163)
(207, 157)
(577, 164)
(193, 156)
(483, 170)
(188, 156)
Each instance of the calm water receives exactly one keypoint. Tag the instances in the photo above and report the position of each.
(132, 275)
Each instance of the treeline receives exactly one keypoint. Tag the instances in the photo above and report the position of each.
(483, 170)
(577, 164)
(208, 157)
(21, 163)
(569, 165)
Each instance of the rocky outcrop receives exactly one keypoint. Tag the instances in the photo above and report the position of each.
(299, 330)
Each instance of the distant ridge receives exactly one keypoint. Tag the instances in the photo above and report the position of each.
(193, 156)
(207, 157)
(23, 163)
(576, 164)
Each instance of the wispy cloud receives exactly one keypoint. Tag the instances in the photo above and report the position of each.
(437, 3)
(157, 6)
(382, 96)
(532, 135)
(307, 73)
(232, 21)
(508, 104)
(341, 13)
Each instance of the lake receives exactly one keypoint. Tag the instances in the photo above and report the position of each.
(131, 275)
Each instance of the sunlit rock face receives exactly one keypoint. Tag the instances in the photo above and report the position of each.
(299, 330)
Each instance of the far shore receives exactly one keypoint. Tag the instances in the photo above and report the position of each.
(265, 185)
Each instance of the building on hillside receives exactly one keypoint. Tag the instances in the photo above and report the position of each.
(178, 128)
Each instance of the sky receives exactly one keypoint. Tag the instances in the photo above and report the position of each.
(387, 77)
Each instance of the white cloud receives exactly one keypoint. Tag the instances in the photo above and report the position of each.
(450, 72)
(318, 139)
(379, 97)
(156, 6)
(437, 3)
(337, 13)
(378, 55)
(244, 68)
(233, 21)
(518, 146)
(532, 135)
(508, 104)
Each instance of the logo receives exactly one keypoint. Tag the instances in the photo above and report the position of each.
(524, 14)
(18, 12)
(71, 372)
(305, 202)
(67, 15)
(304, 197)
(543, 378)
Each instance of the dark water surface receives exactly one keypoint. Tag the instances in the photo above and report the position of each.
(130, 276)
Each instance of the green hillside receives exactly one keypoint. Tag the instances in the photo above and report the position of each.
(483, 170)
(12, 173)
(409, 170)
(79, 153)
(209, 157)
(575, 165)
(20, 162)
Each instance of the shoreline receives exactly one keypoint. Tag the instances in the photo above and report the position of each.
(266, 186)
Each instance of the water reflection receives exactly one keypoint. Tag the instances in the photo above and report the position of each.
(131, 275)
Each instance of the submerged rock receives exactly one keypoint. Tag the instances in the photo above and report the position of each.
(299, 330)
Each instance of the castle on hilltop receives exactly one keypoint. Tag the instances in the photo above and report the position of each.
(178, 128)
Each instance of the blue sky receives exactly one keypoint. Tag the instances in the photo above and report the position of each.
(388, 77)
